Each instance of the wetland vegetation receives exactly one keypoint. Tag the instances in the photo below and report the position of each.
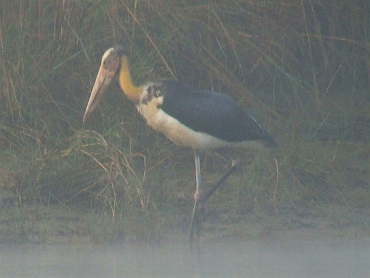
(302, 68)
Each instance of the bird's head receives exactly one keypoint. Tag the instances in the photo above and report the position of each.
(109, 66)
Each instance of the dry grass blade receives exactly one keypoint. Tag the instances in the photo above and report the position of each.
(302, 68)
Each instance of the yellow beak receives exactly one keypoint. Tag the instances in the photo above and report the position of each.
(108, 67)
(102, 81)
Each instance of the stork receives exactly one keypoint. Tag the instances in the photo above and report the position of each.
(189, 117)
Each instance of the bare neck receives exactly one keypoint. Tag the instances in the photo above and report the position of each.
(132, 92)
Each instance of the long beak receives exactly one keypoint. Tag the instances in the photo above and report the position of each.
(102, 81)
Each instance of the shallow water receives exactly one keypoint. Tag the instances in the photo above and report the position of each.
(318, 258)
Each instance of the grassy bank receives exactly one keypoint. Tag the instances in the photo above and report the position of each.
(301, 68)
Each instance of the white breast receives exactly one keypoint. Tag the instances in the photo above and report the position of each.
(174, 130)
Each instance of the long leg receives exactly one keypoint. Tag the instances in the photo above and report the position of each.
(198, 192)
(205, 197)
(200, 198)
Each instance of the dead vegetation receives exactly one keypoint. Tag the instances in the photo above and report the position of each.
(302, 68)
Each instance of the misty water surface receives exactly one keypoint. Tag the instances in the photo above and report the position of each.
(339, 258)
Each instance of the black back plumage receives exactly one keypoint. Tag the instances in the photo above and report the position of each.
(212, 113)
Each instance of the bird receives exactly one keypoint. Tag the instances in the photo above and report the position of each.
(188, 116)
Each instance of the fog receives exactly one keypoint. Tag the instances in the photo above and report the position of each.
(319, 258)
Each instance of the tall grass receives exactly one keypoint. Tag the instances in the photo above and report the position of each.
(301, 67)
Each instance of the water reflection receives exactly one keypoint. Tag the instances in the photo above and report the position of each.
(226, 259)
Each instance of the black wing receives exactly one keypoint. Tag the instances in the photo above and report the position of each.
(212, 113)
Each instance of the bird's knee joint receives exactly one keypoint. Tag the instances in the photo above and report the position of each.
(235, 162)
(197, 195)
